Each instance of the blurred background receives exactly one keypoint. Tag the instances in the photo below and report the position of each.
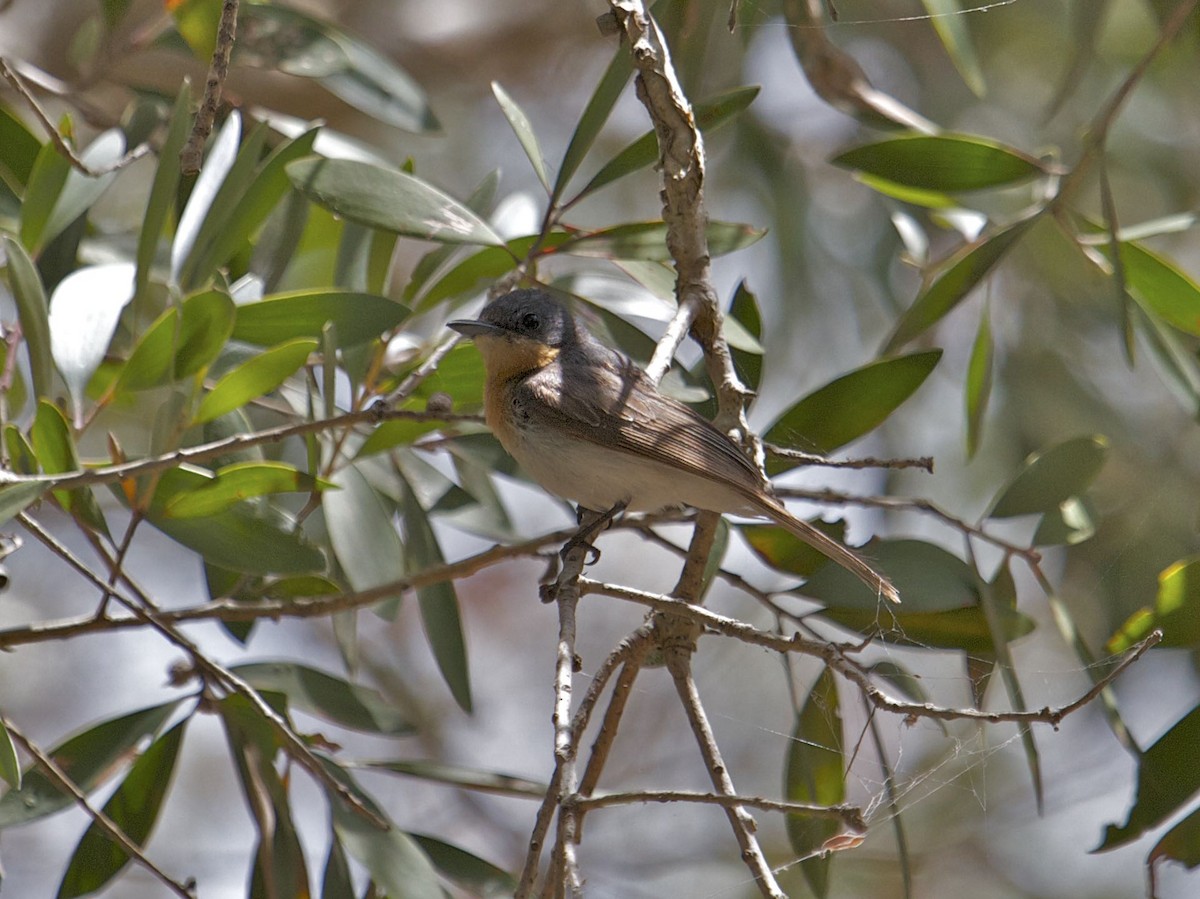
(832, 275)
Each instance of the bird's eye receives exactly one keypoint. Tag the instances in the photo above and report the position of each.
(530, 321)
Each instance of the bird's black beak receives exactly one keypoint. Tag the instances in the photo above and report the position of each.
(473, 328)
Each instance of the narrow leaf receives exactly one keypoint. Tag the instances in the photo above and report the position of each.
(959, 276)
(34, 314)
(1051, 477)
(1176, 611)
(1159, 285)
(362, 532)
(163, 188)
(978, 386)
(522, 127)
(950, 24)
(255, 377)
(358, 317)
(813, 774)
(389, 199)
(850, 406)
(438, 602)
(134, 808)
(10, 765)
(237, 482)
(648, 240)
(84, 310)
(643, 152)
(329, 697)
(595, 114)
(88, 758)
(217, 164)
(943, 162)
(391, 857)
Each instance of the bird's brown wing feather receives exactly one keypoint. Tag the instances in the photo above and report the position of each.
(640, 421)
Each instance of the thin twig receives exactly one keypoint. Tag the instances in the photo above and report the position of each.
(111, 829)
(192, 153)
(742, 822)
(835, 656)
(108, 474)
(925, 463)
(18, 84)
(851, 816)
(910, 504)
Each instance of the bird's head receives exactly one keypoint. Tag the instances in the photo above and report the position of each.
(520, 332)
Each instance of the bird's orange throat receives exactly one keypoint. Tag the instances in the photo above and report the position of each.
(510, 356)
(507, 358)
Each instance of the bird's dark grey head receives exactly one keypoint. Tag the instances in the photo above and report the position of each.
(529, 313)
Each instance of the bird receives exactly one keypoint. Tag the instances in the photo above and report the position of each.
(590, 426)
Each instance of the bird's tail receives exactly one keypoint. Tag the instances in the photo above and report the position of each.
(826, 545)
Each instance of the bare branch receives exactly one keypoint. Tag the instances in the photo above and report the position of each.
(925, 463)
(192, 154)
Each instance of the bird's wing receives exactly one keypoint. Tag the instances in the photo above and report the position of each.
(635, 418)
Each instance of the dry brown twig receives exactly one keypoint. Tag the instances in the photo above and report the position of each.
(192, 154)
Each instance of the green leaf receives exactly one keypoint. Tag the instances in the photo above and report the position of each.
(471, 873)
(10, 765)
(206, 324)
(1179, 844)
(1160, 286)
(391, 857)
(595, 114)
(850, 406)
(482, 267)
(19, 150)
(1176, 611)
(255, 377)
(744, 310)
(361, 531)
(480, 201)
(33, 312)
(522, 127)
(17, 497)
(813, 774)
(1167, 778)
(237, 482)
(389, 199)
(930, 199)
(327, 696)
(54, 447)
(80, 192)
(336, 882)
(390, 434)
(643, 152)
(219, 230)
(197, 22)
(978, 386)
(941, 599)
(235, 224)
(648, 240)
(88, 758)
(150, 363)
(241, 538)
(221, 158)
(84, 310)
(949, 22)
(467, 778)
(1051, 477)
(1070, 523)
(134, 808)
(960, 274)
(784, 551)
(358, 317)
(278, 37)
(45, 185)
(943, 162)
(438, 602)
(162, 190)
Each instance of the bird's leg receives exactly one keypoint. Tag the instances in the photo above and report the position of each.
(583, 537)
